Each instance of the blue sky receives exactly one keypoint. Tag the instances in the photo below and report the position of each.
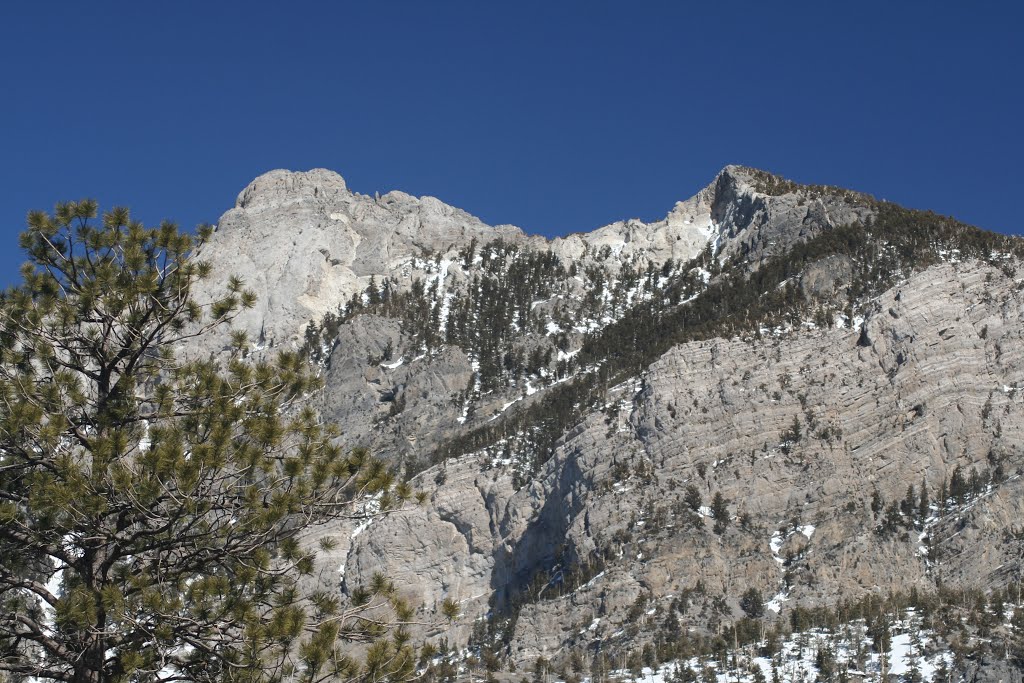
(555, 116)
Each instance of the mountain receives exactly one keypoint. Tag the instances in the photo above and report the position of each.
(780, 408)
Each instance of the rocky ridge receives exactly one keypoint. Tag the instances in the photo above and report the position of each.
(305, 243)
(808, 424)
(909, 407)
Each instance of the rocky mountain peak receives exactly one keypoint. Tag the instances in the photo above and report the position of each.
(779, 397)
(738, 173)
(306, 244)
(280, 187)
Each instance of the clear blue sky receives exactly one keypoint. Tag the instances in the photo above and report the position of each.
(555, 116)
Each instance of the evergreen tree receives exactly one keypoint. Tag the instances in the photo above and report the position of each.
(150, 506)
(877, 504)
(924, 505)
(720, 512)
(910, 503)
(958, 486)
(752, 603)
(692, 497)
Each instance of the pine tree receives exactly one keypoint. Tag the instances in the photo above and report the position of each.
(958, 486)
(150, 505)
(752, 603)
(692, 497)
(909, 504)
(720, 512)
(877, 504)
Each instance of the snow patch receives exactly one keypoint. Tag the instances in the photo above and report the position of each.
(775, 604)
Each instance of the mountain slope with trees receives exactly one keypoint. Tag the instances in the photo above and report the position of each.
(151, 508)
(783, 417)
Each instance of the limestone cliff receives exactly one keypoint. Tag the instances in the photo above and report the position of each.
(304, 243)
(807, 408)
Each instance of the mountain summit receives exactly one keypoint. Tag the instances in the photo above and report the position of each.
(782, 407)
(305, 243)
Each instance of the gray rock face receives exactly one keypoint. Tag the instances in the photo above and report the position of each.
(797, 429)
(827, 278)
(416, 393)
(758, 226)
(305, 244)
(907, 408)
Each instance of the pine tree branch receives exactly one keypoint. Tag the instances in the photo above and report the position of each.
(26, 540)
(35, 671)
(35, 632)
(12, 581)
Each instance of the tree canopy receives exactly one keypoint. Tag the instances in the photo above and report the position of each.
(151, 503)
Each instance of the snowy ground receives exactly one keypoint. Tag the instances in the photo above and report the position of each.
(796, 662)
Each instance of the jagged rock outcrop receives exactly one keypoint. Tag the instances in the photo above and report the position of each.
(906, 409)
(762, 217)
(811, 430)
(417, 393)
(305, 243)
